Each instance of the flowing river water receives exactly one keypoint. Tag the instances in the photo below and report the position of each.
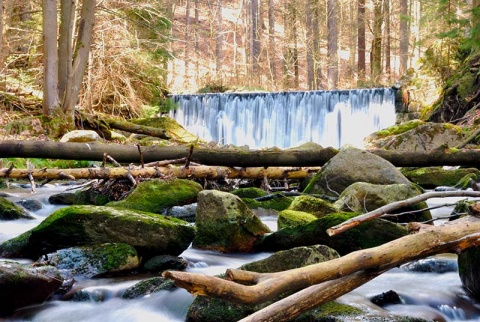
(435, 296)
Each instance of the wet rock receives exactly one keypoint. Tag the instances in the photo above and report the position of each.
(92, 261)
(469, 271)
(386, 298)
(148, 286)
(226, 224)
(186, 212)
(368, 234)
(157, 196)
(164, 262)
(365, 197)
(351, 165)
(86, 196)
(30, 204)
(22, 285)
(11, 211)
(150, 234)
(432, 265)
(254, 198)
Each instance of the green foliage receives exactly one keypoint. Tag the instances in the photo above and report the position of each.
(213, 88)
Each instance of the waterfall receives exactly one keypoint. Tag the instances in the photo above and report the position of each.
(286, 119)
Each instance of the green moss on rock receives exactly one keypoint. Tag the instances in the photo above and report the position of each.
(315, 206)
(432, 177)
(291, 218)
(157, 195)
(10, 211)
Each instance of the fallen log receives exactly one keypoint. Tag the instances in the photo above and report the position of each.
(135, 128)
(300, 157)
(197, 172)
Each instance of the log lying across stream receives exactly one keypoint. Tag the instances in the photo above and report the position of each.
(293, 157)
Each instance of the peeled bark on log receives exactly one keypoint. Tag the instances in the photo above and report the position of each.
(451, 237)
(197, 172)
(355, 221)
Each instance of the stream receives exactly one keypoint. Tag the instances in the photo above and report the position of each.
(435, 296)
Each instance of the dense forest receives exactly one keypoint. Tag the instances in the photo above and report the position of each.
(123, 57)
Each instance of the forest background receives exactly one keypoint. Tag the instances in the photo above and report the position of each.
(143, 50)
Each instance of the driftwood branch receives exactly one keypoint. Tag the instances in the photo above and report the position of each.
(451, 237)
(355, 221)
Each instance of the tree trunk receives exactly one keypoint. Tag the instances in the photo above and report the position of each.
(188, 44)
(309, 45)
(255, 40)
(271, 40)
(452, 237)
(403, 36)
(50, 57)
(65, 46)
(233, 158)
(376, 55)
(1, 36)
(80, 59)
(332, 50)
(386, 13)
(138, 129)
(219, 39)
(197, 172)
(361, 40)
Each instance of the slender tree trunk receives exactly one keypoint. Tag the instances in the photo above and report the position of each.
(271, 40)
(361, 40)
(80, 60)
(50, 57)
(316, 44)
(403, 36)
(219, 39)
(332, 50)
(255, 40)
(1, 37)
(475, 19)
(376, 55)
(386, 12)
(309, 45)
(188, 31)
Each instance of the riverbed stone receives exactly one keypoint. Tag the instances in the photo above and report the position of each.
(366, 235)
(93, 261)
(365, 197)
(468, 270)
(11, 211)
(23, 285)
(150, 234)
(432, 177)
(162, 263)
(352, 165)
(81, 136)
(290, 218)
(315, 206)
(255, 198)
(416, 135)
(226, 224)
(157, 196)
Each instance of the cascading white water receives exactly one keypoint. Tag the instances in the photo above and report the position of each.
(287, 119)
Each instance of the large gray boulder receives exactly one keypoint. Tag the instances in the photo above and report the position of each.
(352, 165)
(150, 234)
(23, 285)
(226, 224)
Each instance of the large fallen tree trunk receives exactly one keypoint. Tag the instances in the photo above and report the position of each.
(197, 172)
(300, 157)
(452, 237)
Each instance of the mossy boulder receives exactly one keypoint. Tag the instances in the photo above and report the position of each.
(366, 235)
(92, 261)
(290, 218)
(150, 234)
(315, 206)
(352, 165)
(417, 135)
(11, 211)
(253, 199)
(365, 197)
(23, 285)
(292, 258)
(87, 196)
(158, 195)
(432, 177)
(148, 286)
(226, 224)
(172, 128)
